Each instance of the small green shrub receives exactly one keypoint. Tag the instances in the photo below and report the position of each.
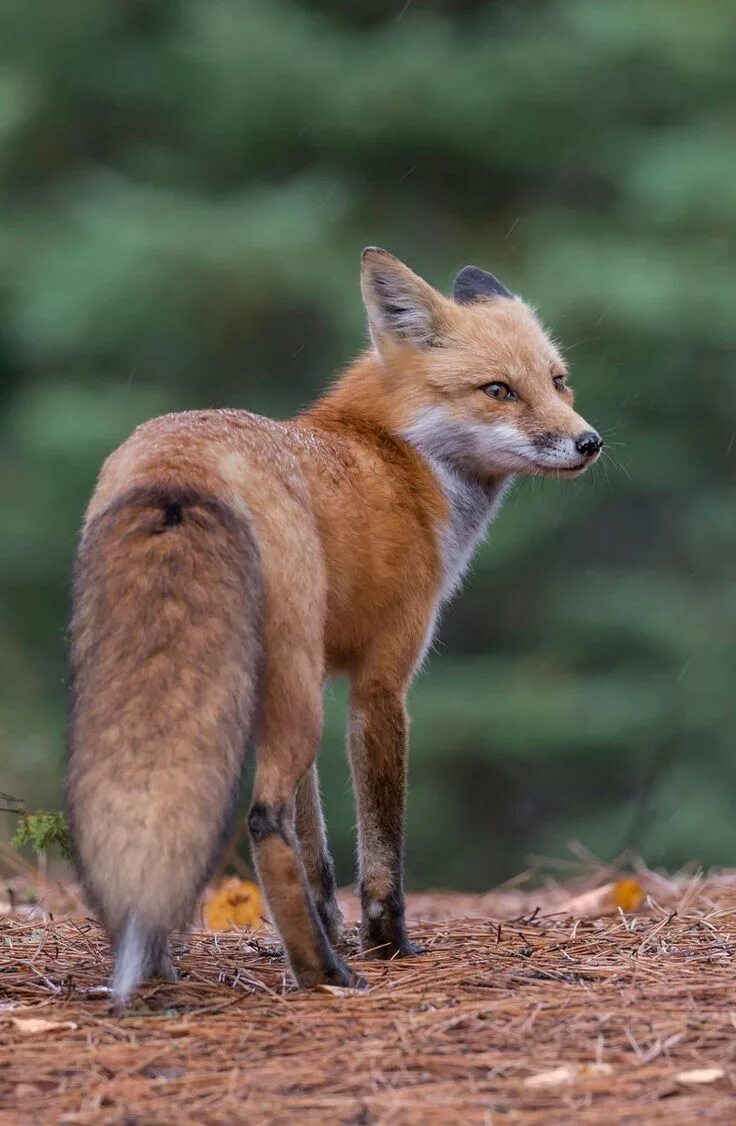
(44, 831)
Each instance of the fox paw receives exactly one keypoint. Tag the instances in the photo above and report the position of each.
(383, 937)
(388, 950)
(337, 973)
(345, 977)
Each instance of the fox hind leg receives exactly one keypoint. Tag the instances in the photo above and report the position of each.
(286, 748)
(289, 729)
(160, 964)
(318, 863)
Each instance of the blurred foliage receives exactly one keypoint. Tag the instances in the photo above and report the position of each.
(44, 832)
(184, 192)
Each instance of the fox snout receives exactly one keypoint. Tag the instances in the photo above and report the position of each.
(568, 454)
(589, 444)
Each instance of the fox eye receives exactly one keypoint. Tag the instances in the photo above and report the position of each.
(559, 382)
(500, 391)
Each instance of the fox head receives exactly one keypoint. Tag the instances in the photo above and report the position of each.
(473, 379)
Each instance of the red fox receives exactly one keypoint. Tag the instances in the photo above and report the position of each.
(229, 564)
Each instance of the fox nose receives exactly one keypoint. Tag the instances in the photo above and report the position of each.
(589, 443)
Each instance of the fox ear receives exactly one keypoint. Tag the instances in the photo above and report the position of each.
(400, 305)
(473, 284)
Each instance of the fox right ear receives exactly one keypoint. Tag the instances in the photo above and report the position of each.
(400, 305)
(474, 284)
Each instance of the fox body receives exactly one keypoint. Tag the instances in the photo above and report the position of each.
(229, 564)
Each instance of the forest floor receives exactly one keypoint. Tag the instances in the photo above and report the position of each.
(528, 1007)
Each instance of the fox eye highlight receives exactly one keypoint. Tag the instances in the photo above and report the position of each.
(559, 382)
(500, 391)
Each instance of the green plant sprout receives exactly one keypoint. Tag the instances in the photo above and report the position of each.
(42, 830)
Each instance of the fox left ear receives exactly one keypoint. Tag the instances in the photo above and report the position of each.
(473, 284)
(400, 305)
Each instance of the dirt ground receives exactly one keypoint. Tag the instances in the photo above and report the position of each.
(528, 1007)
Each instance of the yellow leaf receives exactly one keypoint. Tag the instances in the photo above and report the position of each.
(700, 1075)
(35, 1026)
(628, 894)
(233, 903)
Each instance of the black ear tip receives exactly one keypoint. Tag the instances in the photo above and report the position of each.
(469, 279)
(474, 284)
(469, 272)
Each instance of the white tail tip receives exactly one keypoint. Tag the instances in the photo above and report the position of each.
(131, 956)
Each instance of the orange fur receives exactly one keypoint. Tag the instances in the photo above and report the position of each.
(361, 513)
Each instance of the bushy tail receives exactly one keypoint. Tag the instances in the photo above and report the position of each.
(140, 952)
(165, 655)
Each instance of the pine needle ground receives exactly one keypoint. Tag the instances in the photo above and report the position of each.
(518, 1012)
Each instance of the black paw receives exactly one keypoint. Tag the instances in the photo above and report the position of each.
(163, 969)
(385, 951)
(409, 949)
(384, 937)
(345, 977)
(336, 973)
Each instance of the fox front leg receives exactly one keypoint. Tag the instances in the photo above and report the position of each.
(378, 743)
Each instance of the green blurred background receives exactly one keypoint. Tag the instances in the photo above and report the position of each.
(184, 192)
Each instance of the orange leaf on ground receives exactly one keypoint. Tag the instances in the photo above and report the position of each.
(628, 894)
(233, 903)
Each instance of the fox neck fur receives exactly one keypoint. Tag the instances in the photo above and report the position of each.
(471, 501)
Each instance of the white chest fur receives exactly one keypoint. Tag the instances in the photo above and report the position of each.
(454, 451)
(473, 506)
